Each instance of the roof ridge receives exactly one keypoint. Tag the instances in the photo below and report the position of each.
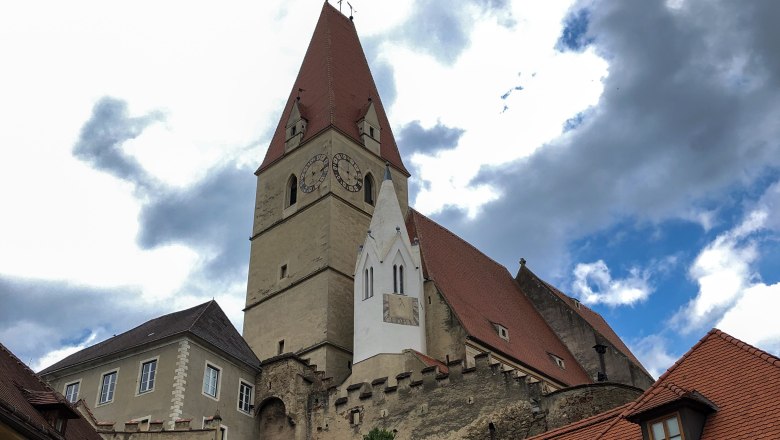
(583, 423)
(460, 239)
(26, 367)
(200, 315)
(761, 354)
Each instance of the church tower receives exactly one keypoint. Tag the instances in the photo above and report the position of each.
(389, 315)
(316, 191)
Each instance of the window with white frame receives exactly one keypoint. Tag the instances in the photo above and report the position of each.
(211, 380)
(107, 387)
(72, 392)
(148, 372)
(244, 397)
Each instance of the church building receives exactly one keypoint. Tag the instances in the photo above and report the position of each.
(360, 311)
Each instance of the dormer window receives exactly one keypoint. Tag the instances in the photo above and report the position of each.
(371, 131)
(503, 332)
(558, 361)
(293, 130)
(665, 428)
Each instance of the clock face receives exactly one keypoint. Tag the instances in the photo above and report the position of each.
(347, 172)
(401, 309)
(314, 173)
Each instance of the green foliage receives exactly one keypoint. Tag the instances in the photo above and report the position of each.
(379, 434)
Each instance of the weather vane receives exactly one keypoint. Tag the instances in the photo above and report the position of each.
(351, 11)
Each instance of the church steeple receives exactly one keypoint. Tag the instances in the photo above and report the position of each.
(335, 89)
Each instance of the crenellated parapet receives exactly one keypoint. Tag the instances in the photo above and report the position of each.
(457, 403)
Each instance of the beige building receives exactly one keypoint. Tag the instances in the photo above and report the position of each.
(188, 365)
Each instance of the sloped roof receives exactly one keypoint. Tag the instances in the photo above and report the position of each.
(335, 86)
(720, 370)
(482, 293)
(206, 321)
(20, 389)
(586, 429)
(590, 316)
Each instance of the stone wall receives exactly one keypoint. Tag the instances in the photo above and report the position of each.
(483, 402)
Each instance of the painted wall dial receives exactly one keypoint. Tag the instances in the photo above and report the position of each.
(314, 173)
(347, 172)
(400, 309)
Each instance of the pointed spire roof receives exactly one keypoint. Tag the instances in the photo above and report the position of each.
(387, 221)
(334, 85)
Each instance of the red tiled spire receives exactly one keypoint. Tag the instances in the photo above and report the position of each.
(334, 85)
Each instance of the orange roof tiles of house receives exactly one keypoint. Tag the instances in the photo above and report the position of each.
(737, 378)
(334, 85)
(21, 390)
(591, 317)
(483, 293)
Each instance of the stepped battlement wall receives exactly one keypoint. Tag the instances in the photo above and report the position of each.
(467, 403)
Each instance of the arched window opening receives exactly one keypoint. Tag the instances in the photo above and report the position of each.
(371, 280)
(368, 190)
(365, 284)
(292, 190)
(401, 279)
(395, 279)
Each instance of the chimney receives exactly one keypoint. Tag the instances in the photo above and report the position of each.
(602, 374)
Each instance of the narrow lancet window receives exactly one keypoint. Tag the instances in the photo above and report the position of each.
(365, 284)
(395, 279)
(292, 190)
(371, 280)
(401, 279)
(368, 190)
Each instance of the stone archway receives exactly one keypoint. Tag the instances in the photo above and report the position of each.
(273, 420)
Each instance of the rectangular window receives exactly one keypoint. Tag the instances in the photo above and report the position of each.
(244, 397)
(72, 392)
(148, 371)
(107, 387)
(211, 380)
(281, 347)
(667, 428)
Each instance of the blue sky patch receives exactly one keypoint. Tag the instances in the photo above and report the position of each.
(575, 29)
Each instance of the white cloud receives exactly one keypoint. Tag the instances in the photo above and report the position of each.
(731, 294)
(723, 272)
(654, 354)
(594, 284)
(59, 354)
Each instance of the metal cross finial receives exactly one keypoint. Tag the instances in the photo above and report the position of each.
(351, 10)
(339, 2)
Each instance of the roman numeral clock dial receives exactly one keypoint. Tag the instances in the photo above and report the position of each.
(347, 172)
(314, 173)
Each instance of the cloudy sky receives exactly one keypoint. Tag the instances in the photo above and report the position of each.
(629, 150)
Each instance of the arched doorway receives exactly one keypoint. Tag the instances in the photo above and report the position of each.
(274, 424)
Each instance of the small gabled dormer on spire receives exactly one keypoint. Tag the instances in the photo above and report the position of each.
(295, 127)
(369, 128)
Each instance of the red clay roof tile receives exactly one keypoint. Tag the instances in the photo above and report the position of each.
(336, 85)
(482, 292)
(741, 380)
(21, 390)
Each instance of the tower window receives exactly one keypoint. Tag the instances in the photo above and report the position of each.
(365, 284)
(371, 281)
(293, 130)
(292, 190)
(395, 278)
(283, 272)
(371, 131)
(401, 278)
(281, 346)
(368, 190)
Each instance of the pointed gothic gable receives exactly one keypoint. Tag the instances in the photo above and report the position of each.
(334, 85)
(481, 292)
(589, 315)
(206, 321)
